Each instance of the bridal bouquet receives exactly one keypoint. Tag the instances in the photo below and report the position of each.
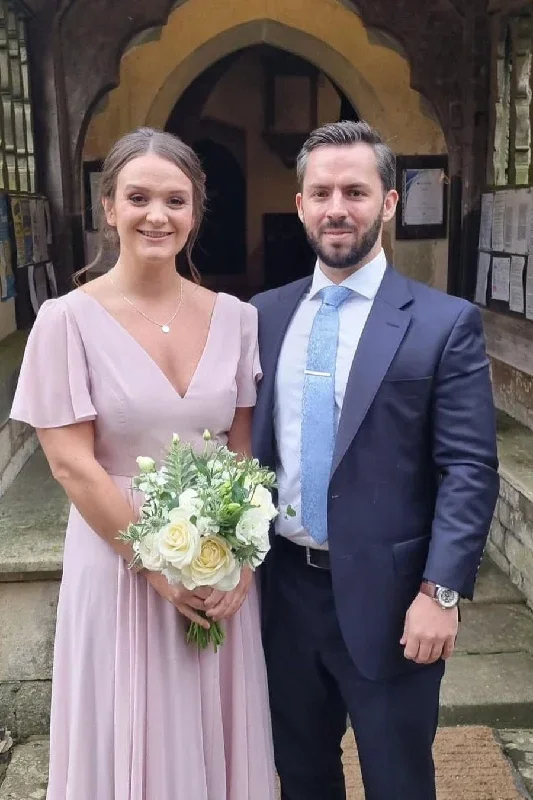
(205, 516)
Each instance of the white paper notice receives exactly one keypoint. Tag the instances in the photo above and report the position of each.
(521, 233)
(485, 225)
(501, 275)
(529, 289)
(498, 221)
(483, 266)
(516, 284)
(509, 220)
(423, 202)
(530, 231)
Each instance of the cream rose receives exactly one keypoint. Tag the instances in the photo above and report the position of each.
(179, 541)
(215, 565)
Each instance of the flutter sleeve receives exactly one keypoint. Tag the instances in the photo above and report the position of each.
(53, 387)
(249, 367)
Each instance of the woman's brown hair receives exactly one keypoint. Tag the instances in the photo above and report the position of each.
(167, 146)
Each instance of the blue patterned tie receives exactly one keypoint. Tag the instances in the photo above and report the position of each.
(318, 412)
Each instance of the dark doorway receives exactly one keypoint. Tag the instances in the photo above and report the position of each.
(287, 253)
(221, 245)
(224, 137)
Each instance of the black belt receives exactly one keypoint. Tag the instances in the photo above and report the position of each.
(319, 559)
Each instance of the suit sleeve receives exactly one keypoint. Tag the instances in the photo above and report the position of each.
(465, 457)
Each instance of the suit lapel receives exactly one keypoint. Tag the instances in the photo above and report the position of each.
(382, 335)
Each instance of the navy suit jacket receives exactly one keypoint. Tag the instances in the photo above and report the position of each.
(414, 479)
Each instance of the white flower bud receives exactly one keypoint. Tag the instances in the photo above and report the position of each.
(146, 464)
(206, 435)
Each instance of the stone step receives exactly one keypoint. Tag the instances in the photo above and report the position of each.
(33, 518)
(489, 680)
(495, 628)
(494, 690)
(27, 774)
(492, 586)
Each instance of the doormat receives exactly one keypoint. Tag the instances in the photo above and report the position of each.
(469, 765)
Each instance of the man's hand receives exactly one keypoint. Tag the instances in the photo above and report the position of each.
(222, 605)
(430, 631)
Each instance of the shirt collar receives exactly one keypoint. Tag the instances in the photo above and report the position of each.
(365, 281)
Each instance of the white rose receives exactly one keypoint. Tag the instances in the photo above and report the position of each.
(145, 464)
(252, 528)
(148, 550)
(263, 500)
(189, 502)
(206, 526)
(215, 565)
(179, 541)
(172, 575)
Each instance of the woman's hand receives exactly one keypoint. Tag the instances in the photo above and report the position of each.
(222, 605)
(188, 603)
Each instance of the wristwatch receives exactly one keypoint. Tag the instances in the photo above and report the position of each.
(446, 598)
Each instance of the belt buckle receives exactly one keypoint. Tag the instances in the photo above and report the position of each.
(308, 551)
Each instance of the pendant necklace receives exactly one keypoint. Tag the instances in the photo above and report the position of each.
(164, 328)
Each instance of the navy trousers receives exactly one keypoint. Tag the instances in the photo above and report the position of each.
(314, 685)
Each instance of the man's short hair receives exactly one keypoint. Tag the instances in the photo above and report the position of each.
(348, 132)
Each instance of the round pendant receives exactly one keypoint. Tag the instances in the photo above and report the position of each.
(165, 329)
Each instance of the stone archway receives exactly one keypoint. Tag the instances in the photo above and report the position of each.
(354, 85)
(371, 71)
(374, 75)
(79, 45)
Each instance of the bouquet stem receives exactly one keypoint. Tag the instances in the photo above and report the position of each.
(203, 637)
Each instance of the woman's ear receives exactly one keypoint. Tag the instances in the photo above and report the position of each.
(109, 211)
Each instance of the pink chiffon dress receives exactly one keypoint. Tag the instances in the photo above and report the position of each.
(138, 714)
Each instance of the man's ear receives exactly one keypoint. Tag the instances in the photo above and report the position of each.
(389, 205)
(299, 206)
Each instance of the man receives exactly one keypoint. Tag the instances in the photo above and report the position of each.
(376, 411)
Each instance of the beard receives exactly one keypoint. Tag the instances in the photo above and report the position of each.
(339, 258)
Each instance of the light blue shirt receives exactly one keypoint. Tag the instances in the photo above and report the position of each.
(353, 315)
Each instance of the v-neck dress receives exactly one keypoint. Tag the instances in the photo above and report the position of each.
(137, 714)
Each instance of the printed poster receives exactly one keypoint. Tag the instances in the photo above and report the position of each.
(27, 229)
(7, 279)
(18, 227)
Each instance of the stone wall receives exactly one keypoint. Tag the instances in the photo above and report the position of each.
(17, 441)
(510, 347)
(511, 537)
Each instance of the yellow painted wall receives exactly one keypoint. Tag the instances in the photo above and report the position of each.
(373, 75)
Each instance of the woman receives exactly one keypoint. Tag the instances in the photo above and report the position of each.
(111, 370)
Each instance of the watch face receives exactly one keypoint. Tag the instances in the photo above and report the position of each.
(448, 598)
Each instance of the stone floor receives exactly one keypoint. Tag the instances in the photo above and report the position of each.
(518, 746)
